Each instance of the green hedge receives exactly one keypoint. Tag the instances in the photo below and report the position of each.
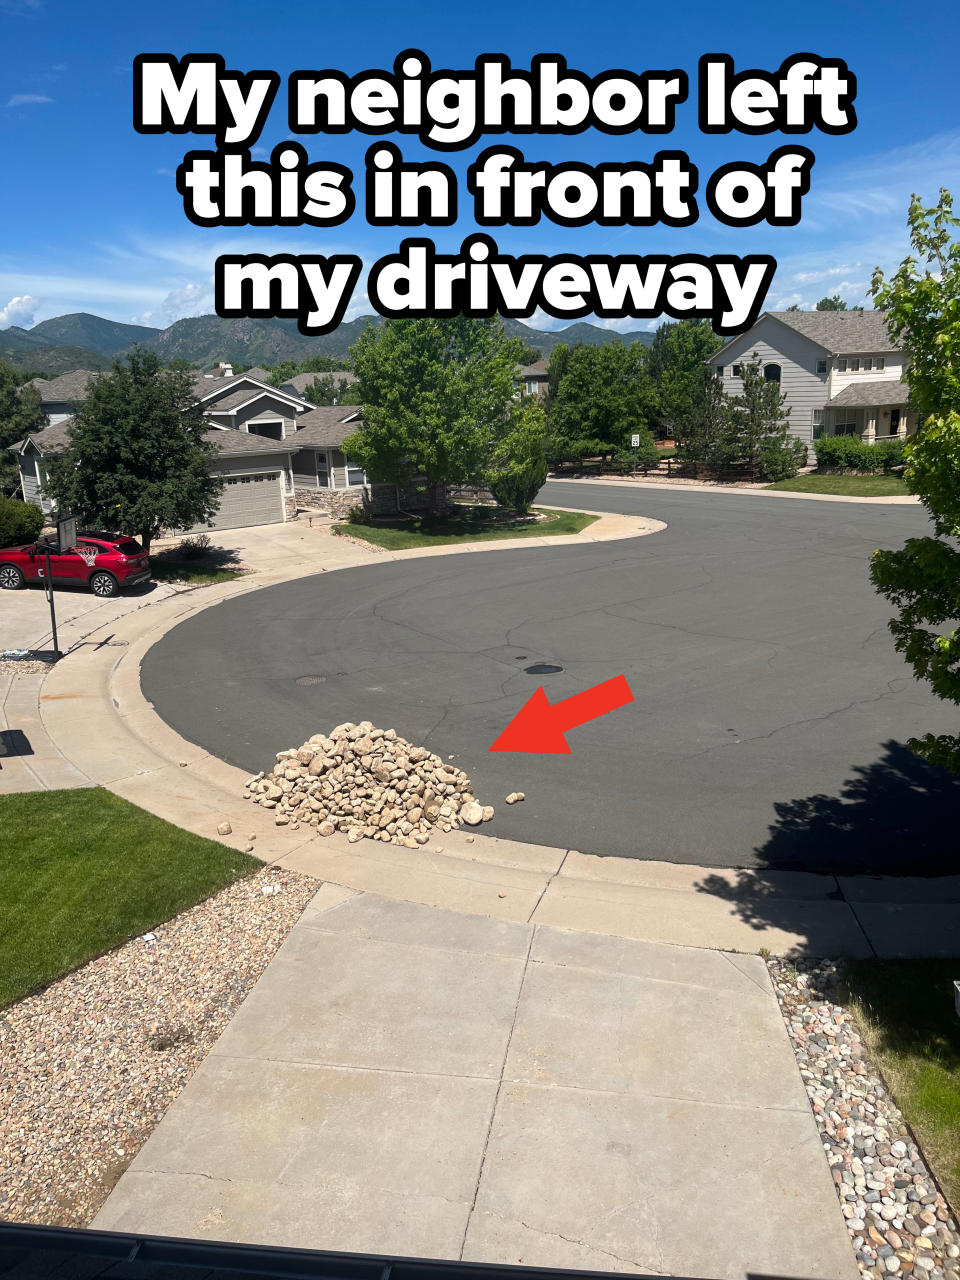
(850, 453)
(19, 522)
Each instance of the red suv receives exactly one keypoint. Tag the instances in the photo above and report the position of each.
(103, 561)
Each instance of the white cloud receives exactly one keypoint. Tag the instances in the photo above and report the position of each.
(19, 311)
(167, 173)
(27, 99)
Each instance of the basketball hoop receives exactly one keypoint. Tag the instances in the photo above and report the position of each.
(88, 555)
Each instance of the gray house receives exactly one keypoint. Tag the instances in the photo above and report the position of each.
(276, 452)
(840, 371)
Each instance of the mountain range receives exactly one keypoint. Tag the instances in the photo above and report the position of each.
(84, 341)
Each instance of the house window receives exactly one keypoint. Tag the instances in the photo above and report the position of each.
(867, 364)
(821, 366)
(819, 423)
(323, 471)
(842, 365)
(846, 429)
(735, 371)
(771, 372)
(355, 474)
(878, 364)
(272, 430)
(855, 364)
(719, 370)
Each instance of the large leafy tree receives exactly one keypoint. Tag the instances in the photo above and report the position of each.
(676, 364)
(20, 415)
(518, 466)
(922, 305)
(327, 388)
(137, 460)
(599, 397)
(287, 369)
(836, 303)
(436, 396)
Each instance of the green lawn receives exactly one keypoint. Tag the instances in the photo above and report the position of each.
(198, 575)
(906, 1014)
(82, 871)
(846, 486)
(467, 524)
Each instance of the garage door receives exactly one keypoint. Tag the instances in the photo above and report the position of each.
(256, 498)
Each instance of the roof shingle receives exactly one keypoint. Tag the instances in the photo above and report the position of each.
(879, 391)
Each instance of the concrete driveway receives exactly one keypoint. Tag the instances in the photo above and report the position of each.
(413, 1081)
(771, 710)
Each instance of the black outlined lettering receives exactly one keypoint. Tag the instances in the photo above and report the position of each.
(313, 290)
(408, 195)
(450, 110)
(742, 194)
(228, 189)
(808, 92)
(479, 281)
(198, 95)
(509, 191)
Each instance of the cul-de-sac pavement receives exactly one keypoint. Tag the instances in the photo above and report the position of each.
(771, 710)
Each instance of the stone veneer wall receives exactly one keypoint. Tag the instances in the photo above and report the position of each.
(380, 499)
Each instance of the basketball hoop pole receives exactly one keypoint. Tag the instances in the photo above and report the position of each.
(53, 612)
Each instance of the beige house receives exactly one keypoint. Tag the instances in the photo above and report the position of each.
(840, 371)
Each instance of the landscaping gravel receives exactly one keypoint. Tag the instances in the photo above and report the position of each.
(900, 1225)
(91, 1063)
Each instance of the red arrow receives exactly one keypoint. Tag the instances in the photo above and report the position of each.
(539, 727)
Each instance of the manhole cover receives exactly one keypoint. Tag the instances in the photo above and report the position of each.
(307, 680)
(542, 669)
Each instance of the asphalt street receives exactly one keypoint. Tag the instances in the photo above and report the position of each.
(771, 710)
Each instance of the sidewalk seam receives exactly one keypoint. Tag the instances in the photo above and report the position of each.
(496, 1096)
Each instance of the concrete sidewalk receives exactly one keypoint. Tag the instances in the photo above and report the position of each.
(413, 1081)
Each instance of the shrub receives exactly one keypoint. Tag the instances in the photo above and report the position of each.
(19, 522)
(850, 453)
(195, 548)
(781, 459)
(360, 515)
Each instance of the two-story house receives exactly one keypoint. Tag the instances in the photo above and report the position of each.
(275, 451)
(840, 371)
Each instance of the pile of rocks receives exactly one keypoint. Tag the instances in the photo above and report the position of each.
(899, 1223)
(367, 782)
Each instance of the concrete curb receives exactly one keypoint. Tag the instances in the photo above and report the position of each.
(908, 500)
(94, 711)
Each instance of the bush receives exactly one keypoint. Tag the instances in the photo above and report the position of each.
(850, 453)
(360, 515)
(195, 548)
(19, 522)
(781, 459)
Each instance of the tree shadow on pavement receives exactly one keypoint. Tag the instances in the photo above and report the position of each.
(896, 817)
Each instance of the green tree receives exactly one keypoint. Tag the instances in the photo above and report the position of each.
(436, 398)
(137, 460)
(708, 438)
(836, 303)
(760, 427)
(20, 415)
(676, 363)
(329, 389)
(599, 397)
(922, 306)
(519, 464)
(287, 369)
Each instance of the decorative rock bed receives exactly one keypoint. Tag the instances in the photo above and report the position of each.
(367, 782)
(900, 1225)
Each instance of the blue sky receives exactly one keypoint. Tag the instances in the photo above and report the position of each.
(91, 220)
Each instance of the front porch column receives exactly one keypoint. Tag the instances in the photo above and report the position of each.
(870, 435)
